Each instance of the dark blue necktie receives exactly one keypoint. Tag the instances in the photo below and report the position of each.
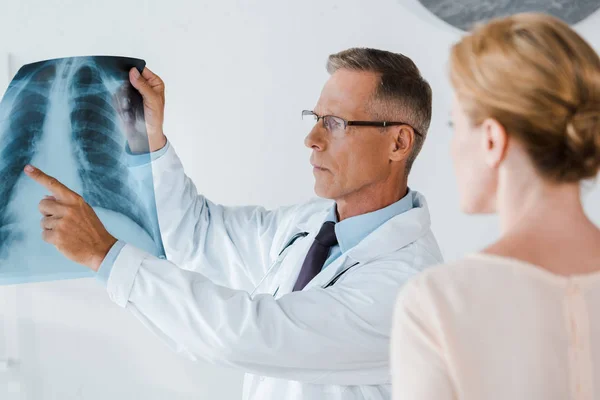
(317, 255)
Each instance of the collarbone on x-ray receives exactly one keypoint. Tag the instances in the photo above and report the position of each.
(61, 116)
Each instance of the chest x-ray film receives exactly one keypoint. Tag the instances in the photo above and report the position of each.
(76, 119)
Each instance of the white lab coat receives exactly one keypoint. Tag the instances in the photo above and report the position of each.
(225, 293)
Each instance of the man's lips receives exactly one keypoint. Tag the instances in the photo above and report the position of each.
(318, 168)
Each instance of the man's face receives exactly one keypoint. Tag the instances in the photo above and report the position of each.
(345, 163)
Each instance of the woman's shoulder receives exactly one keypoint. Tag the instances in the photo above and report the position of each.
(472, 266)
(474, 275)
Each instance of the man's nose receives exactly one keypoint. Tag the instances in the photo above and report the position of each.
(316, 138)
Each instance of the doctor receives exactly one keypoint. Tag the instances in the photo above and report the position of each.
(301, 297)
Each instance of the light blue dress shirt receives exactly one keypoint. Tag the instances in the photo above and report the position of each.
(353, 230)
(349, 232)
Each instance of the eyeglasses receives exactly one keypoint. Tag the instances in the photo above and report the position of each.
(337, 125)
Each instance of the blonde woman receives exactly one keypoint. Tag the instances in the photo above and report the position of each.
(521, 319)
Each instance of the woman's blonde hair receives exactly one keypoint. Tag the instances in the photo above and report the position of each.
(541, 81)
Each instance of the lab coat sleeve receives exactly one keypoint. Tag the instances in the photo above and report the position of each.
(338, 335)
(233, 246)
(418, 363)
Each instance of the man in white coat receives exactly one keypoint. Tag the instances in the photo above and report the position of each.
(301, 297)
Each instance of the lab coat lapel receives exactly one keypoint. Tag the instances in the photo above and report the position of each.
(395, 234)
(392, 236)
(313, 225)
(292, 263)
(330, 272)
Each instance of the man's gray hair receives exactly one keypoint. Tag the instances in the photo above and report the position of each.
(402, 92)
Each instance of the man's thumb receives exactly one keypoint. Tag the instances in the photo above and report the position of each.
(140, 83)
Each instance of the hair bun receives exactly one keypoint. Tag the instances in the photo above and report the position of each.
(583, 143)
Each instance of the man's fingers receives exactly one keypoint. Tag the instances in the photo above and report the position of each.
(141, 84)
(155, 82)
(49, 222)
(48, 236)
(149, 75)
(51, 207)
(59, 190)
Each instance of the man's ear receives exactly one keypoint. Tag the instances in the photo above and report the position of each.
(403, 138)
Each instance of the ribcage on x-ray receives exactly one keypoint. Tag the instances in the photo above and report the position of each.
(22, 130)
(99, 147)
(96, 139)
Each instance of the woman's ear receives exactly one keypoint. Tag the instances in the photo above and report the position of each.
(494, 142)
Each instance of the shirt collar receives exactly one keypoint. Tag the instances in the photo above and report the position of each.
(353, 230)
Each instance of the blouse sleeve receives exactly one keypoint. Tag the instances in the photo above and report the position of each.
(418, 365)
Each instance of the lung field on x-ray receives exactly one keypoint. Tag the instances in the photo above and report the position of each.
(60, 116)
(98, 146)
(24, 122)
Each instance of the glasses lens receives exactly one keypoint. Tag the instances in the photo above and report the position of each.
(334, 124)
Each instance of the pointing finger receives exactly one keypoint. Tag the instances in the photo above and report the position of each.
(60, 191)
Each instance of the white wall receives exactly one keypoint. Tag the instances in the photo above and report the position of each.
(237, 73)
